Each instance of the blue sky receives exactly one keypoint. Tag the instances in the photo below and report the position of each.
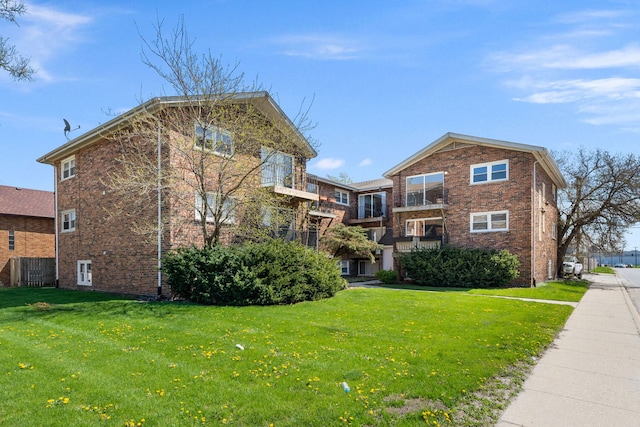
(386, 78)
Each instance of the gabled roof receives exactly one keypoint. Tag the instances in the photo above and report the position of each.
(262, 100)
(451, 141)
(374, 184)
(25, 202)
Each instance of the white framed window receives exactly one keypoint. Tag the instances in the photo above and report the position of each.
(372, 205)
(84, 273)
(68, 220)
(214, 139)
(68, 168)
(227, 213)
(482, 173)
(277, 168)
(344, 267)
(424, 227)
(482, 222)
(425, 189)
(342, 197)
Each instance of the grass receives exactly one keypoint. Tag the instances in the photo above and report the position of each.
(604, 270)
(410, 358)
(566, 290)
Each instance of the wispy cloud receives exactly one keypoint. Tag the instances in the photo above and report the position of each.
(319, 46)
(365, 162)
(588, 62)
(328, 163)
(47, 33)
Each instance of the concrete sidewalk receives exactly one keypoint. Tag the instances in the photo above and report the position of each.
(590, 375)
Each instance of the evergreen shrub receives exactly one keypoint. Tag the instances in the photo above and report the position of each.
(451, 266)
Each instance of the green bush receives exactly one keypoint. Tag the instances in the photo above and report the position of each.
(450, 266)
(293, 272)
(387, 276)
(214, 275)
(274, 272)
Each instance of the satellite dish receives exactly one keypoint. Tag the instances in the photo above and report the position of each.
(67, 128)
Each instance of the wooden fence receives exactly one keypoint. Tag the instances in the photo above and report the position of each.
(33, 271)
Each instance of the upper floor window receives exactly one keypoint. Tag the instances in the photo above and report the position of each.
(490, 172)
(68, 219)
(489, 221)
(372, 205)
(227, 210)
(342, 197)
(12, 240)
(277, 168)
(68, 168)
(554, 192)
(425, 189)
(214, 139)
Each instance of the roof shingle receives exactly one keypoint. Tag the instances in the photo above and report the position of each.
(26, 202)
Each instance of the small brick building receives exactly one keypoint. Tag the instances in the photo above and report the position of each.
(26, 226)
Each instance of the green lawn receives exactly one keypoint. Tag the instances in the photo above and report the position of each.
(566, 290)
(410, 358)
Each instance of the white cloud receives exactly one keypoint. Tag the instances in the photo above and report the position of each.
(319, 46)
(590, 63)
(328, 163)
(46, 33)
(365, 162)
(563, 91)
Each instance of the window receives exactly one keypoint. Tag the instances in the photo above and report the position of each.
(68, 220)
(424, 227)
(12, 240)
(554, 231)
(489, 221)
(227, 213)
(372, 205)
(554, 192)
(84, 273)
(68, 168)
(344, 267)
(277, 168)
(214, 139)
(490, 172)
(425, 189)
(342, 197)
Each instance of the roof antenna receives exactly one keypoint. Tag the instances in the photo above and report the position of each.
(67, 128)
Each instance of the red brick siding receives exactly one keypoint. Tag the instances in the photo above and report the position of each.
(514, 195)
(121, 261)
(33, 237)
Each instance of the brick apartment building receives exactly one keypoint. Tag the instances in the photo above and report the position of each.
(459, 190)
(480, 193)
(100, 247)
(26, 226)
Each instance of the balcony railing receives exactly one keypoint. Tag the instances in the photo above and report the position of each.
(435, 197)
(283, 181)
(407, 244)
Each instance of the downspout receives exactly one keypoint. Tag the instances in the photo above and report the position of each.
(55, 223)
(159, 183)
(535, 228)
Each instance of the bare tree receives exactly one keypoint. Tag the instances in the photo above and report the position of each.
(16, 65)
(601, 201)
(222, 143)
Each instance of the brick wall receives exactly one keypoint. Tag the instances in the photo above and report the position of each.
(514, 195)
(121, 260)
(33, 237)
